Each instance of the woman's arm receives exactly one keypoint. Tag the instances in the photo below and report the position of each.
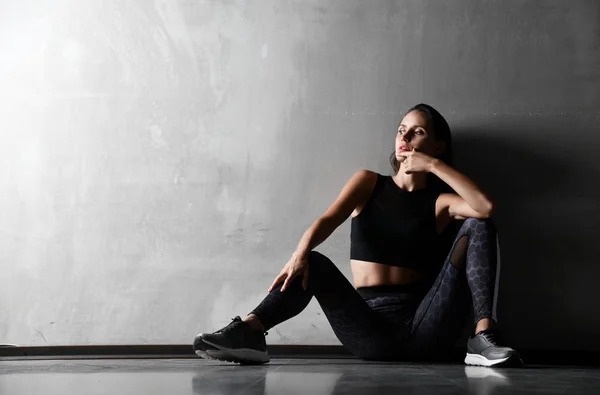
(356, 191)
(471, 201)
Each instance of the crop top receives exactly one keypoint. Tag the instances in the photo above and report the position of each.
(397, 227)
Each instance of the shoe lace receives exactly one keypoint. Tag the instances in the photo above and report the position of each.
(235, 322)
(492, 336)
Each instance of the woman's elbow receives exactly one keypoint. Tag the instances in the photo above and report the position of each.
(488, 209)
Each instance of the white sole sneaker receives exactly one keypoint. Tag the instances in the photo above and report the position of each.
(206, 351)
(480, 360)
(240, 355)
(216, 355)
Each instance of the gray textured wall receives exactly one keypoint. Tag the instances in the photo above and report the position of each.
(160, 159)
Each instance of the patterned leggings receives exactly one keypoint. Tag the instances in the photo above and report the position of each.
(398, 325)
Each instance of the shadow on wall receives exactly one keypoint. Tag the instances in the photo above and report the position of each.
(547, 220)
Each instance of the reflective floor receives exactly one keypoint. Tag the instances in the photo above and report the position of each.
(285, 376)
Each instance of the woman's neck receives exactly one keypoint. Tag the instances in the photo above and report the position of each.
(410, 182)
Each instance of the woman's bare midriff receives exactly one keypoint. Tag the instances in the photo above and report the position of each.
(369, 274)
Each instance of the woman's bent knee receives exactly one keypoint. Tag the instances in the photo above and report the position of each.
(321, 271)
(315, 258)
(479, 224)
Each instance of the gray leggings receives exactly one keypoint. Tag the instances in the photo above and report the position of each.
(400, 322)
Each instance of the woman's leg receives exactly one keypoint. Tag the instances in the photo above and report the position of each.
(360, 329)
(471, 265)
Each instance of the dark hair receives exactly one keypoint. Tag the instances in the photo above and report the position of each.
(441, 131)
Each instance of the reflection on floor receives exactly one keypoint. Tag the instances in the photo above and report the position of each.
(285, 376)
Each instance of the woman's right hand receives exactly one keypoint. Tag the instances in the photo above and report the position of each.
(296, 266)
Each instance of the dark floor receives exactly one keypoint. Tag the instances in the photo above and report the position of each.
(285, 376)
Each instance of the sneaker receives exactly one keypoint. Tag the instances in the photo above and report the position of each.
(207, 351)
(237, 342)
(483, 350)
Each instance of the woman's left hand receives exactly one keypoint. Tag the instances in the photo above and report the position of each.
(416, 162)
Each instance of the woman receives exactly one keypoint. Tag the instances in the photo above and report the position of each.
(404, 305)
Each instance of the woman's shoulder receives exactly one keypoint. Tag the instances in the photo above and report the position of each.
(366, 173)
(368, 177)
(365, 181)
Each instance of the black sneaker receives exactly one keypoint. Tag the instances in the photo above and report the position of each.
(207, 351)
(483, 350)
(237, 342)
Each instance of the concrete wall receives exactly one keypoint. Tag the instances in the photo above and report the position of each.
(159, 160)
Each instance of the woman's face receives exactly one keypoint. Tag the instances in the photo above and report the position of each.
(416, 132)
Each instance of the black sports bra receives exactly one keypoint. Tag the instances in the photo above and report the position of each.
(397, 227)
